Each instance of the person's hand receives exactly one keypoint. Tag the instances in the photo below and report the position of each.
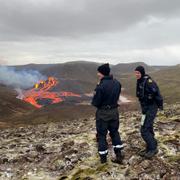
(161, 108)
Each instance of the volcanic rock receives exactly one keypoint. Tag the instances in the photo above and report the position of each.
(68, 150)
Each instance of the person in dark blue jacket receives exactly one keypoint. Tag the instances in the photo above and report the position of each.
(105, 99)
(150, 100)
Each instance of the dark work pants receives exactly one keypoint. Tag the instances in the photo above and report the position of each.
(108, 120)
(147, 131)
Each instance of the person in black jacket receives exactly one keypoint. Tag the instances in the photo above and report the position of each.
(105, 99)
(150, 100)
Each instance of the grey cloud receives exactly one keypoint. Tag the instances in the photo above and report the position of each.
(2, 61)
(31, 19)
(41, 31)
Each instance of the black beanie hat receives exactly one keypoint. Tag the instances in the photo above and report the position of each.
(141, 70)
(104, 69)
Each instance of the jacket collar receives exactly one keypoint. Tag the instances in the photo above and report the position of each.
(143, 78)
(107, 78)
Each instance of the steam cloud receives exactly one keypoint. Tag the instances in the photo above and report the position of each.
(19, 79)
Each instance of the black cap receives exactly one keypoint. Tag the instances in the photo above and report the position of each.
(141, 70)
(104, 69)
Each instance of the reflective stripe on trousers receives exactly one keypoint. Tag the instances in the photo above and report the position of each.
(118, 146)
(103, 152)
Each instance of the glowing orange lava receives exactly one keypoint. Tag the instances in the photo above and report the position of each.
(41, 91)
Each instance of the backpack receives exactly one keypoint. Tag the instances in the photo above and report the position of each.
(156, 96)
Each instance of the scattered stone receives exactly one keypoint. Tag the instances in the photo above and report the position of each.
(40, 148)
(134, 160)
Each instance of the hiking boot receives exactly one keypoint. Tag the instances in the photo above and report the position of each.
(151, 153)
(142, 152)
(103, 159)
(119, 158)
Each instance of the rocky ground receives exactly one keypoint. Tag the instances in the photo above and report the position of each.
(68, 150)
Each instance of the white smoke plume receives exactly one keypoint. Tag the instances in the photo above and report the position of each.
(20, 93)
(19, 79)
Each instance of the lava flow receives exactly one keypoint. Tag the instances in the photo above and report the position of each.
(41, 95)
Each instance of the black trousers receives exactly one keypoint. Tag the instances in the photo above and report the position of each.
(147, 131)
(108, 120)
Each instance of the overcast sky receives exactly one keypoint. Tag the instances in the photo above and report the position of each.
(56, 31)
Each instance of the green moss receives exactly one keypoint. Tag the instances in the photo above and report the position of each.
(102, 168)
(83, 173)
(175, 158)
(164, 139)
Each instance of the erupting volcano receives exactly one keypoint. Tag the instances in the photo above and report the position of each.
(41, 94)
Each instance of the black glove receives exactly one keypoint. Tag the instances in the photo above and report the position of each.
(144, 110)
(161, 108)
